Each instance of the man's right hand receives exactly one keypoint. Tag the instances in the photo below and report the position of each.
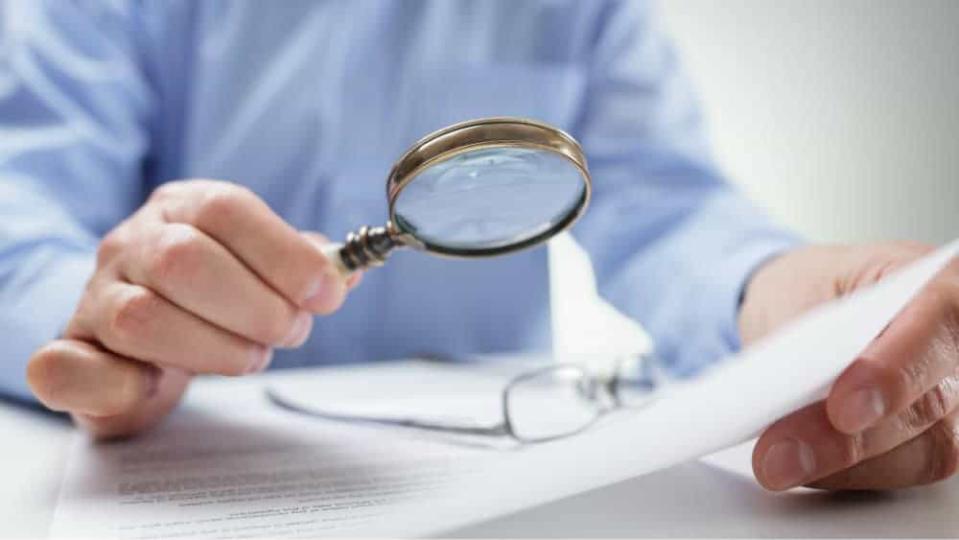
(203, 278)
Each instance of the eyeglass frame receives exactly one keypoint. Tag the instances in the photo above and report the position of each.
(503, 429)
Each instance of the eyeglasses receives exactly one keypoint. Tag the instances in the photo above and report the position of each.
(540, 405)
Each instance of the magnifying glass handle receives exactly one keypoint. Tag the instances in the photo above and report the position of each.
(365, 247)
(332, 252)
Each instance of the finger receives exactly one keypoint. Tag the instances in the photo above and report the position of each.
(248, 228)
(68, 375)
(805, 446)
(931, 457)
(172, 384)
(919, 349)
(136, 322)
(320, 240)
(194, 272)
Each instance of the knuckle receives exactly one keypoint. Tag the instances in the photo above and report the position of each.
(911, 376)
(167, 191)
(950, 328)
(223, 202)
(852, 450)
(131, 317)
(112, 245)
(944, 460)
(932, 406)
(87, 306)
(177, 254)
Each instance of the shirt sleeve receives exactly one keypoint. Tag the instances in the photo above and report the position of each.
(673, 244)
(73, 106)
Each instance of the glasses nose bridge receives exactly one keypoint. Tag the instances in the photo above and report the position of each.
(598, 390)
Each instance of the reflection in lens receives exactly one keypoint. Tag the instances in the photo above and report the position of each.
(489, 198)
(552, 403)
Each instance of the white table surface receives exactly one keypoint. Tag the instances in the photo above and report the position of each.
(714, 497)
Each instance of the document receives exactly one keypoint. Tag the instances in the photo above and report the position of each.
(231, 465)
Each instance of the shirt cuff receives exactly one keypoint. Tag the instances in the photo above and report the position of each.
(715, 300)
(734, 275)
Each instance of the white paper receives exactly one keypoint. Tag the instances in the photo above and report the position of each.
(230, 465)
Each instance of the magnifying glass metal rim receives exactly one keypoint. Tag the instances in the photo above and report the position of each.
(369, 246)
(472, 135)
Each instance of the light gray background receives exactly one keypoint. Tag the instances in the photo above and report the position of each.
(840, 117)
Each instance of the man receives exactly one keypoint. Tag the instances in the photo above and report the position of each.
(123, 274)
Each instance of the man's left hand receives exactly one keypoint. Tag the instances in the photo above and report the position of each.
(891, 420)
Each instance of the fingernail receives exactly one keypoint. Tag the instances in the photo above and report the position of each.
(261, 359)
(788, 463)
(860, 410)
(299, 331)
(322, 292)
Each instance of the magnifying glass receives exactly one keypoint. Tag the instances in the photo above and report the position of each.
(475, 189)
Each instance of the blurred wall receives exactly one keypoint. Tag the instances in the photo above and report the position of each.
(841, 117)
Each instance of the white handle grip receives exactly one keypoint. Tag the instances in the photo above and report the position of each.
(332, 253)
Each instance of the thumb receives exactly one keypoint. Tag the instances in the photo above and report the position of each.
(172, 384)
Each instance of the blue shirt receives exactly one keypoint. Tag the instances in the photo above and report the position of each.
(309, 102)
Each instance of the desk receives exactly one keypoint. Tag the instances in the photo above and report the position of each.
(714, 497)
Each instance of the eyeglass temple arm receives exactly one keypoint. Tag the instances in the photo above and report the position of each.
(646, 380)
(493, 430)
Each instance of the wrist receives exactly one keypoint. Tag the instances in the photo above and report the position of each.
(800, 279)
(785, 286)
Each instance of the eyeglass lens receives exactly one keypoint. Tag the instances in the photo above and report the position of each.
(489, 198)
(551, 403)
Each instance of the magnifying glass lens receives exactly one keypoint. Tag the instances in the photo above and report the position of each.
(489, 198)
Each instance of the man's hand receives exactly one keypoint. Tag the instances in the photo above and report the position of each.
(204, 278)
(891, 420)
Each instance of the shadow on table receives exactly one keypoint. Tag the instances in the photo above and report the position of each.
(698, 500)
